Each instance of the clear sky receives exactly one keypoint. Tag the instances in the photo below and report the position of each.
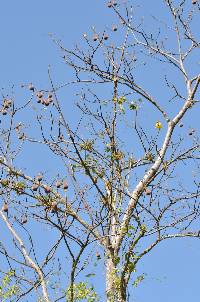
(26, 51)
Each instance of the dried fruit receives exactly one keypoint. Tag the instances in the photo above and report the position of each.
(4, 111)
(58, 184)
(65, 185)
(39, 177)
(31, 87)
(39, 94)
(6, 103)
(46, 102)
(47, 189)
(18, 126)
(95, 38)
(95, 179)
(54, 207)
(34, 187)
(111, 3)
(98, 256)
(191, 132)
(21, 136)
(24, 219)
(147, 191)
(5, 207)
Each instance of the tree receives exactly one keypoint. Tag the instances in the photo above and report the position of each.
(118, 193)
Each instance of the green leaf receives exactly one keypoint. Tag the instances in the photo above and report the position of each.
(89, 275)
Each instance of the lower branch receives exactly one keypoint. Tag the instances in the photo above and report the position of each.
(29, 260)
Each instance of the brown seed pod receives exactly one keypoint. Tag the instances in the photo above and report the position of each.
(24, 219)
(50, 96)
(95, 37)
(47, 189)
(31, 87)
(95, 179)
(98, 256)
(147, 191)
(191, 132)
(105, 37)
(109, 5)
(54, 207)
(58, 184)
(34, 187)
(4, 111)
(65, 185)
(50, 100)
(6, 103)
(5, 207)
(46, 102)
(39, 177)
(194, 1)
(21, 136)
(39, 94)
(114, 28)
(18, 126)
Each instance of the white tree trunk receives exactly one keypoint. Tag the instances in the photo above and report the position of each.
(114, 290)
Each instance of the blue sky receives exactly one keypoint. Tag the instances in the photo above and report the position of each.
(26, 52)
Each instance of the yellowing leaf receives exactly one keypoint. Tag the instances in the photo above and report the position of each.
(158, 125)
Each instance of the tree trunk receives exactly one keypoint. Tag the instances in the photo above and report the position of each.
(115, 291)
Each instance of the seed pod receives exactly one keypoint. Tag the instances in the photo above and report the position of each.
(147, 191)
(194, 1)
(5, 207)
(50, 96)
(39, 177)
(191, 132)
(58, 184)
(98, 256)
(18, 126)
(30, 87)
(7, 103)
(54, 207)
(39, 94)
(109, 4)
(4, 111)
(24, 219)
(34, 187)
(21, 136)
(47, 189)
(95, 179)
(95, 37)
(65, 185)
(46, 102)
(105, 37)
(50, 100)
(114, 28)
